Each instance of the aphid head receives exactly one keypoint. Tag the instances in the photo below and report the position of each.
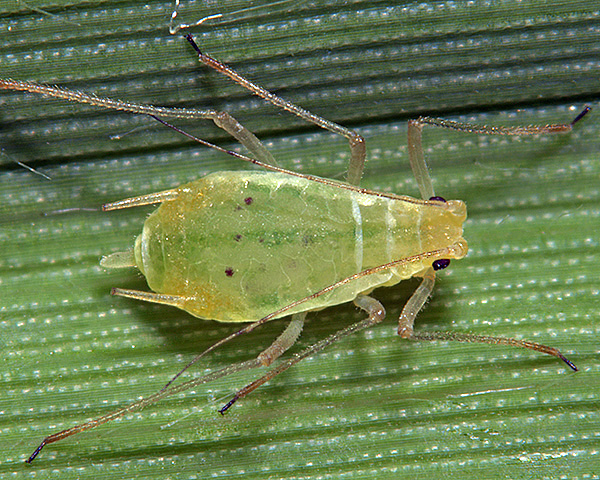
(441, 229)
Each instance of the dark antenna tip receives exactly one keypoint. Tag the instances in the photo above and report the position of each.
(190, 39)
(228, 405)
(582, 114)
(35, 454)
(568, 362)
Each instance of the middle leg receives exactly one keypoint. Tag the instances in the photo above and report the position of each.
(376, 314)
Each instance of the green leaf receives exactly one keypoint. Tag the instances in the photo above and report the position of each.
(372, 406)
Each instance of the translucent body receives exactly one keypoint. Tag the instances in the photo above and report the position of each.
(240, 245)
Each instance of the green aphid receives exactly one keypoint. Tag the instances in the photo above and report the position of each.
(255, 246)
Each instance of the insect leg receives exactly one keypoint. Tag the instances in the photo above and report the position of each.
(376, 315)
(138, 405)
(417, 159)
(357, 143)
(490, 130)
(221, 119)
(470, 338)
(284, 341)
(244, 136)
(415, 146)
(415, 304)
(281, 344)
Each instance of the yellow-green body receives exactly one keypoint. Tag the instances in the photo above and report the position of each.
(241, 245)
(254, 246)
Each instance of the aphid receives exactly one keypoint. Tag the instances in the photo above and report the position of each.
(256, 246)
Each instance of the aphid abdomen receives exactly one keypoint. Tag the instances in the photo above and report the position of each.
(241, 245)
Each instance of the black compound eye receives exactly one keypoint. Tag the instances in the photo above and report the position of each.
(439, 199)
(440, 264)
